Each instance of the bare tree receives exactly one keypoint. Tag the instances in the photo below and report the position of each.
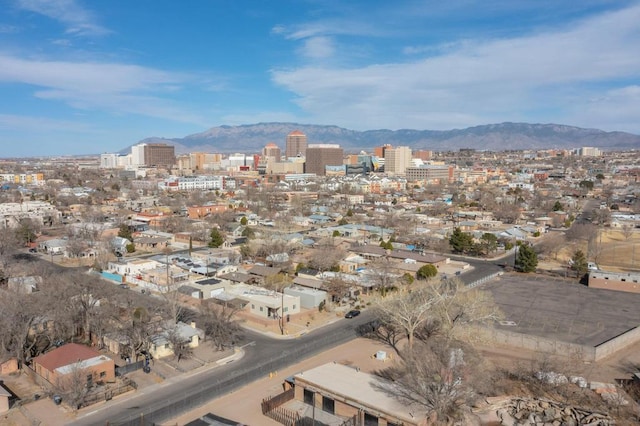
(551, 244)
(627, 231)
(581, 231)
(326, 256)
(407, 311)
(179, 345)
(382, 274)
(74, 386)
(437, 377)
(220, 325)
(439, 307)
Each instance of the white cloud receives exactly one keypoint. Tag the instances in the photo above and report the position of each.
(475, 82)
(111, 87)
(77, 19)
(318, 48)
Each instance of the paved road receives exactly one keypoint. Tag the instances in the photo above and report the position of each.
(156, 404)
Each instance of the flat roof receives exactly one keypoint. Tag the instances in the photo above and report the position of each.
(360, 388)
(563, 309)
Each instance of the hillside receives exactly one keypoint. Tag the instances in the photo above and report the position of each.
(492, 137)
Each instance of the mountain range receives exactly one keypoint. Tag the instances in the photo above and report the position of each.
(491, 137)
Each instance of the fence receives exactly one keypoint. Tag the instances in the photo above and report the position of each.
(128, 368)
(284, 416)
(212, 386)
(273, 402)
(483, 280)
(110, 392)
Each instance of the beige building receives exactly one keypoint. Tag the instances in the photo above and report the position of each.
(346, 392)
(396, 160)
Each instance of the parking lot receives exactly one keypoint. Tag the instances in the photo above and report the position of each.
(562, 309)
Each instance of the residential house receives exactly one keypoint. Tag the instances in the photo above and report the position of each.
(345, 391)
(53, 246)
(263, 273)
(24, 285)
(60, 364)
(161, 344)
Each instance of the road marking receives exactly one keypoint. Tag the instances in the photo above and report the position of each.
(252, 343)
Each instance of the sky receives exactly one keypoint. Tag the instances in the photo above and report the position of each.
(93, 76)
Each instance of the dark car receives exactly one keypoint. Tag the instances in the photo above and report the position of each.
(33, 250)
(352, 314)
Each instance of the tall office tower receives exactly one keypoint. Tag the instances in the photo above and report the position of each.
(379, 151)
(137, 155)
(396, 160)
(321, 155)
(153, 154)
(272, 151)
(296, 144)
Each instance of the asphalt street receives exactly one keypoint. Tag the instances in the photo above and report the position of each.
(262, 356)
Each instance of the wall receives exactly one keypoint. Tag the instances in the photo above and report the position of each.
(541, 344)
(613, 345)
(536, 343)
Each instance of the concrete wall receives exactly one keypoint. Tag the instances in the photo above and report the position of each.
(556, 347)
(536, 343)
(613, 345)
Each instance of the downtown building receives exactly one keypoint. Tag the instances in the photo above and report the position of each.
(431, 174)
(153, 155)
(296, 144)
(396, 160)
(319, 156)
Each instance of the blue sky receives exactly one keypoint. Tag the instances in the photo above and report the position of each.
(80, 76)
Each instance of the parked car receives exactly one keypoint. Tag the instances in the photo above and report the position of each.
(352, 314)
(33, 250)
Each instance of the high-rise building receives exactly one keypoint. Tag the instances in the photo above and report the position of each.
(396, 160)
(153, 155)
(296, 144)
(379, 151)
(272, 151)
(319, 156)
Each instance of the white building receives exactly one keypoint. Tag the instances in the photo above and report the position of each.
(192, 183)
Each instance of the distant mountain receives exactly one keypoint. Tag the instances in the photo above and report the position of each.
(492, 137)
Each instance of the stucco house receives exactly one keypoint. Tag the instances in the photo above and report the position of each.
(161, 345)
(345, 391)
(58, 365)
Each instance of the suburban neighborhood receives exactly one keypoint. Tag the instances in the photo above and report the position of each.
(508, 281)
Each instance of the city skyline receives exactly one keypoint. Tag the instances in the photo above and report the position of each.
(82, 77)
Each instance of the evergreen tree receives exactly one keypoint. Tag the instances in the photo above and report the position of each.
(488, 242)
(460, 242)
(125, 232)
(527, 259)
(557, 206)
(244, 221)
(216, 238)
(579, 263)
(426, 272)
